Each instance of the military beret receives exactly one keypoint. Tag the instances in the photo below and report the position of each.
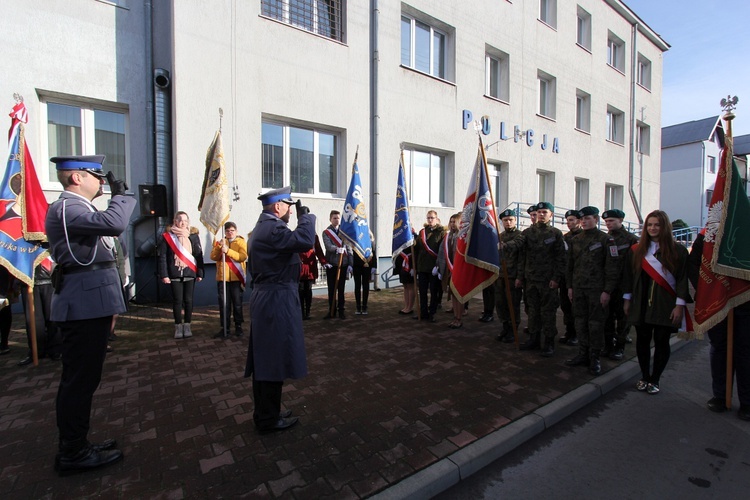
(613, 213)
(589, 211)
(574, 213)
(545, 205)
(91, 164)
(531, 209)
(276, 195)
(507, 213)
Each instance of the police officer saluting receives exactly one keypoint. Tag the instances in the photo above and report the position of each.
(277, 345)
(87, 294)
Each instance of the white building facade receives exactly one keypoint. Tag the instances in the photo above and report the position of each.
(567, 96)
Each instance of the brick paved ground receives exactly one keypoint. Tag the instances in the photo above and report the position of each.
(386, 397)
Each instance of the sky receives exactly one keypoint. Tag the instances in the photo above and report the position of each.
(708, 58)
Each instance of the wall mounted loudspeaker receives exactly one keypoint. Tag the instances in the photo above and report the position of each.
(153, 199)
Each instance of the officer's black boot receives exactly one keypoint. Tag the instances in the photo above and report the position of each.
(79, 456)
(549, 347)
(618, 352)
(595, 367)
(532, 344)
(581, 359)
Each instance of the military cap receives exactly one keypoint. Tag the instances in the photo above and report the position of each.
(545, 205)
(507, 213)
(589, 211)
(613, 213)
(531, 209)
(91, 164)
(574, 213)
(276, 195)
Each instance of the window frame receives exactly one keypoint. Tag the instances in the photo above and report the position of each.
(583, 29)
(444, 181)
(709, 195)
(643, 77)
(502, 74)
(498, 172)
(613, 196)
(545, 185)
(548, 13)
(433, 30)
(87, 108)
(281, 11)
(286, 167)
(546, 95)
(581, 193)
(711, 164)
(615, 128)
(615, 52)
(643, 138)
(583, 111)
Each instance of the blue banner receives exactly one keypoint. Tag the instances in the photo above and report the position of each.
(354, 226)
(402, 232)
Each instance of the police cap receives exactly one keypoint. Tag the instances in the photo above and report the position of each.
(276, 195)
(91, 164)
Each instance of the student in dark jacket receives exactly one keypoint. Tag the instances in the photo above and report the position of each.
(181, 266)
(363, 272)
(655, 291)
(308, 274)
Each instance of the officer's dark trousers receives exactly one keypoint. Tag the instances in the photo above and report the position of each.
(361, 286)
(83, 351)
(331, 280)
(718, 355)
(48, 338)
(427, 281)
(267, 398)
(488, 300)
(233, 303)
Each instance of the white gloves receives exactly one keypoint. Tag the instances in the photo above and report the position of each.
(435, 271)
(341, 250)
(349, 272)
(327, 266)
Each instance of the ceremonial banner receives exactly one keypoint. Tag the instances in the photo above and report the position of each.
(354, 227)
(402, 233)
(214, 202)
(725, 263)
(476, 264)
(23, 207)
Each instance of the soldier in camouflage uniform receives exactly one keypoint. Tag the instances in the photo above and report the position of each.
(573, 220)
(510, 258)
(616, 326)
(521, 260)
(591, 277)
(541, 274)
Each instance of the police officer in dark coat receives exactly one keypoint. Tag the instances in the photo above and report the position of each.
(87, 295)
(277, 345)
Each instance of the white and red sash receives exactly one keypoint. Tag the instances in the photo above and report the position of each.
(334, 237)
(236, 268)
(446, 249)
(187, 258)
(666, 280)
(423, 237)
(405, 266)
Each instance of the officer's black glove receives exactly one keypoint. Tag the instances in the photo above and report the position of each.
(301, 210)
(116, 186)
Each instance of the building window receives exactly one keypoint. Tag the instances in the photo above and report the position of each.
(583, 111)
(546, 186)
(497, 69)
(423, 46)
(498, 172)
(644, 72)
(75, 129)
(613, 196)
(615, 125)
(711, 164)
(643, 138)
(709, 195)
(548, 12)
(616, 52)
(426, 172)
(582, 193)
(547, 91)
(305, 158)
(583, 34)
(323, 17)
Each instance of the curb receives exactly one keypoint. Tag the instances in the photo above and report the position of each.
(450, 470)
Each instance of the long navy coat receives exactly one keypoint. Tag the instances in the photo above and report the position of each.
(92, 294)
(277, 344)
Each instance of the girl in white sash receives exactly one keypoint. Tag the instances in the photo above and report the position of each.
(655, 290)
(181, 265)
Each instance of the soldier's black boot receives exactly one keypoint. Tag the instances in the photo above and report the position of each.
(532, 344)
(595, 367)
(581, 359)
(618, 352)
(549, 347)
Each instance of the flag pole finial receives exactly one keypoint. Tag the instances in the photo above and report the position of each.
(728, 105)
(221, 116)
(18, 98)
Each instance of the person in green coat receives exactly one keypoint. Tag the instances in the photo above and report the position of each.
(655, 291)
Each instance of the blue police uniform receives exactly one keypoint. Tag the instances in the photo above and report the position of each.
(89, 294)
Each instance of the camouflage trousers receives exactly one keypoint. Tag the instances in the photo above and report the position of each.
(590, 317)
(616, 325)
(501, 304)
(543, 302)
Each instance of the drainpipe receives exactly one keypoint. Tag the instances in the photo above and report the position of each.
(631, 163)
(374, 118)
